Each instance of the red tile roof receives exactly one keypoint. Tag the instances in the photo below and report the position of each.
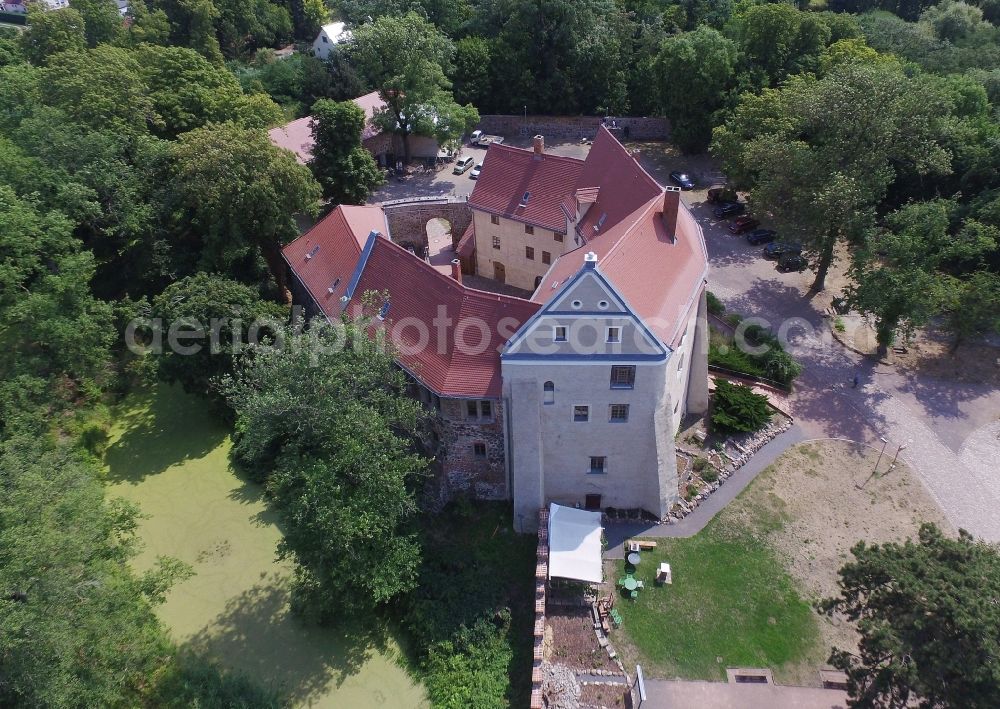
(436, 322)
(467, 244)
(510, 172)
(297, 135)
(655, 257)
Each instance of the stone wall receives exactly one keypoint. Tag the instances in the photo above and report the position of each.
(556, 128)
(541, 577)
(408, 220)
(482, 478)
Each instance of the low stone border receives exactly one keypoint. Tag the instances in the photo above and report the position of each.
(541, 577)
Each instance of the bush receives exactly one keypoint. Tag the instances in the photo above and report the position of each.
(709, 474)
(715, 306)
(699, 464)
(737, 409)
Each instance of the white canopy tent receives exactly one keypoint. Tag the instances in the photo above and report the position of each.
(574, 544)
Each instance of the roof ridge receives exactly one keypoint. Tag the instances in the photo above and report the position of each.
(529, 152)
(625, 151)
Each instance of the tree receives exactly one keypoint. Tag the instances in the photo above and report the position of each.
(146, 25)
(953, 21)
(405, 59)
(929, 622)
(472, 71)
(101, 20)
(322, 419)
(975, 307)
(239, 194)
(821, 154)
(52, 325)
(188, 91)
(347, 172)
(779, 39)
(51, 32)
(899, 277)
(101, 88)
(221, 313)
(737, 409)
(694, 70)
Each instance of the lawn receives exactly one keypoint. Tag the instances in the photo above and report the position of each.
(169, 456)
(730, 604)
(743, 587)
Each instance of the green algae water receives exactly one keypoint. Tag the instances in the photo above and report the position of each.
(170, 457)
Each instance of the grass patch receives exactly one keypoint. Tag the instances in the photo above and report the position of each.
(731, 602)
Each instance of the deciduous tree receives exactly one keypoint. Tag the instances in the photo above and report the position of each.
(346, 171)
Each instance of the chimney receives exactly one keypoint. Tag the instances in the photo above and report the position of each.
(456, 269)
(539, 146)
(590, 260)
(671, 203)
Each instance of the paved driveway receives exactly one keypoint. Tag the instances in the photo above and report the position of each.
(676, 694)
(950, 430)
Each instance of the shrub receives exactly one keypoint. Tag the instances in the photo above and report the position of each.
(737, 409)
(709, 474)
(700, 464)
(715, 306)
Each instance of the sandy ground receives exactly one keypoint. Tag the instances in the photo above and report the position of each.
(813, 487)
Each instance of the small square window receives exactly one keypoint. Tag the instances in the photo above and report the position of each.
(614, 334)
(598, 464)
(558, 237)
(479, 449)
(485, 409)
(546, 257)
(529, 253)
(494, 219)
(581, 413)
(528, 229)
(619, 413)
(560, 333)
(623, 377)
(496, 242)
(471, 409)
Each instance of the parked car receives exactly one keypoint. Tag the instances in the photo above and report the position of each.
(463, 165)
(474, 138)
(682, 180)
(777, 249)
(743, 224)
(761, 236)
(792, 262)
(475, 171)
(717, 194)
(729, 209)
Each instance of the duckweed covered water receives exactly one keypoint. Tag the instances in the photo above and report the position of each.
(169, 456)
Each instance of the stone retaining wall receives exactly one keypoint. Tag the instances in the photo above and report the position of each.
(408, 221)
(541, 578)
(556, 128)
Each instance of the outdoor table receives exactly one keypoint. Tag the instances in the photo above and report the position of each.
(633, 558)
(630, 584)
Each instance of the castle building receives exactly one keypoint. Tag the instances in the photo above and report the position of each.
(574, 394)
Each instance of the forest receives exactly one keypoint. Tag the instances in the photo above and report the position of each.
(137, 181)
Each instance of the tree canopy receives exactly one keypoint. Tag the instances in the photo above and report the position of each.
(346, 171)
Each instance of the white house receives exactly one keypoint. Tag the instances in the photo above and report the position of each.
(330, 35)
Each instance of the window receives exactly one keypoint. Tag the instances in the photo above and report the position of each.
(576, 304)
(494, 219)
(581, 413)
(598, 464)
(623, 377)
(546, 257)
(384, 310)
(619, 413)
(496, 242)
(325, 40)
(558, 237)
(602, 304)
(549, 390)
(529, 253)
(528, 229)
(479, 450)
(560, 333)
(480, 410)
(614, 334)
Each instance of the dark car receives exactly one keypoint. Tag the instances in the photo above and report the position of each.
(761, 236)
(729, 209)
(777, 249)
(682, 180)
(743, 224)
(792, 262)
